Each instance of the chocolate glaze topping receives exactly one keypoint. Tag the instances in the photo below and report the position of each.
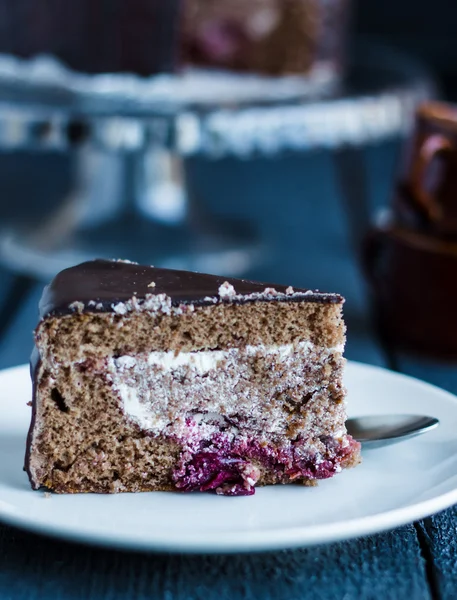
(100, 284)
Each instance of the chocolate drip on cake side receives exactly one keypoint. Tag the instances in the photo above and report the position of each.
(35, 363)
(97, 286)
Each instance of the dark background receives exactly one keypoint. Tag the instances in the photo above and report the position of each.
(425, 28)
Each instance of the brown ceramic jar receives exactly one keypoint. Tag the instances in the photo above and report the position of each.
(427, 192)
(411, 259)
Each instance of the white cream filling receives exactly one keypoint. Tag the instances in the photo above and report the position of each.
(139, 411)
(150, 411)
(206, 360)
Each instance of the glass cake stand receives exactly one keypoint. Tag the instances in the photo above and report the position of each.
(129, 138)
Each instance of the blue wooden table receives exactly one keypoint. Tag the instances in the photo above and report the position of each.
(295, 204)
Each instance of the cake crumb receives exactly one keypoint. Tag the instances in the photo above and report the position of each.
(96, 305)
(226, 290)
(271, 292)
(47, 495)
(152, 284)
(120, 308)
(124, 260)
(77, 307)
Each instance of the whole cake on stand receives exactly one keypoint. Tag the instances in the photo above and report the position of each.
(146, 37)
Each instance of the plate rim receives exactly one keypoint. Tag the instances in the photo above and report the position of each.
(257, 541)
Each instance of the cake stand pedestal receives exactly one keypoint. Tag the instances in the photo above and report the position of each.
(129, 138)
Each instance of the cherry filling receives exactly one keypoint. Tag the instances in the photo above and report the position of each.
(230, 468)
(228, 475)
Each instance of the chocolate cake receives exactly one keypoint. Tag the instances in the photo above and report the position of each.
(153, 379)
(154, 36)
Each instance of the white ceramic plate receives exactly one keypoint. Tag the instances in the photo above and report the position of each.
(393, 486)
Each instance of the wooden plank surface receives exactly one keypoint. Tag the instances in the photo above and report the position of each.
(438, 533)
(382, 566)
(440, 538)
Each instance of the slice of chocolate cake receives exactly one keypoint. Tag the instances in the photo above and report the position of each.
(153, 379)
